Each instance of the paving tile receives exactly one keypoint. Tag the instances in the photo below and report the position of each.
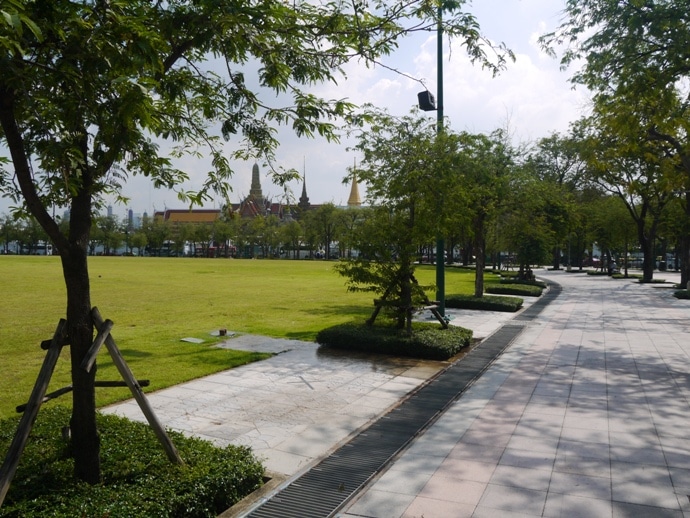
(642, 484)
(513, 476)
(380, 504)
(506, 498)
(582, 485)
(571, 506)
(450, 489)
(463, 469)
(422, 507)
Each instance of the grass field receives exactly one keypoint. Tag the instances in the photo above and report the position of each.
(154, 302)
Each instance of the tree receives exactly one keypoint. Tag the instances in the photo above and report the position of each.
(326, 223)
(634, 171)
(557, 161)
(406, 166)
(483, 163)
(89, 88)
(524, 228)
(636, 53)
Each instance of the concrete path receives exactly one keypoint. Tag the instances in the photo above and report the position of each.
(298, 406)
(586, 414)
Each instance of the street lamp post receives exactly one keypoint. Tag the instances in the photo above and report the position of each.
(428, 103)
(440, 245)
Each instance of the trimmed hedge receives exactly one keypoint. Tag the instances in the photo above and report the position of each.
(428, 341)
(523, 290)
(138, 478)
(541, 284)
(486, 303)
(682, 294)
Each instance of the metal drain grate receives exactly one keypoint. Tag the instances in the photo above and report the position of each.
(531, 312)
(330, 484)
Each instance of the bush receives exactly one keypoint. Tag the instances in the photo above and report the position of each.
(428, 341)
(541, 284)
(486, 303)
(524, 290)
(138, 478)
(682, 294)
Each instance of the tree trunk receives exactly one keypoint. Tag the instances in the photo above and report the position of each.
(646, 244)
(85, 440)
(685, 246)
(481, 261)
(480, 251)
(557, 258)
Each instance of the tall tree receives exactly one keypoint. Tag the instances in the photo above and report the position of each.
(556, 160)
(89, 86)
(637, 52)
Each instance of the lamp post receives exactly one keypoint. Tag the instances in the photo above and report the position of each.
(440, 245)
(428, 103)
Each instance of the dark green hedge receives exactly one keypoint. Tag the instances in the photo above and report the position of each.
(521, 282)
(486, 303)
(428, 341)
(138, 478)
(523, 290)
(682, 294)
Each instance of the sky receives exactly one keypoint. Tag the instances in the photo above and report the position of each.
(532, 98)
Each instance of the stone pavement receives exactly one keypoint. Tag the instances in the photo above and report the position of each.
(586, 414)
(299, 405)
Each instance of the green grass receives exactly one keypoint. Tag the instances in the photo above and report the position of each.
(154, 302)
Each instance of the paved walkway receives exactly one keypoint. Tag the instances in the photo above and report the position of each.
(586, 414)
(301, 404)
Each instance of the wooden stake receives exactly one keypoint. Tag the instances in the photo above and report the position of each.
(138, 394)
(9, 467)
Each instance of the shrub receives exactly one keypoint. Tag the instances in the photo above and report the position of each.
(524, 290)
(486, 303)
(138, 479)
(428, 341)
(541, 284)
(682, 294)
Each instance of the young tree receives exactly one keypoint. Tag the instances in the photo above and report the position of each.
(89, 87)
(407, 165)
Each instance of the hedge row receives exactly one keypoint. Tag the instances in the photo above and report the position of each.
(486, 303)
(428, 341)
(138, 480)
(523, 290)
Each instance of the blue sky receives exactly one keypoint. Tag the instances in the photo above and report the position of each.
(531, 98)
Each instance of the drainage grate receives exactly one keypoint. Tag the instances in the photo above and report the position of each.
(325, 488)
(531, 312)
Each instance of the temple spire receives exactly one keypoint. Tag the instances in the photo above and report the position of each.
(255, 189)
(304, 199)
(354, 200)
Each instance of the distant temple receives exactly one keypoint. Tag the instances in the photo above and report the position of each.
(255, 204)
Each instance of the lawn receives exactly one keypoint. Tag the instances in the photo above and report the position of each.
(154, 302)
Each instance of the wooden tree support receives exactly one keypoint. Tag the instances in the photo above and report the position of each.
(135, 388)
(39, 396)
(68, 389)
(385, 302)
(9, 466)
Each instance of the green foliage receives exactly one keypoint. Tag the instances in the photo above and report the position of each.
(138, 480)
(682, 294)
(428, 341)
(514, 280)
(485, 303)
(522, 290)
